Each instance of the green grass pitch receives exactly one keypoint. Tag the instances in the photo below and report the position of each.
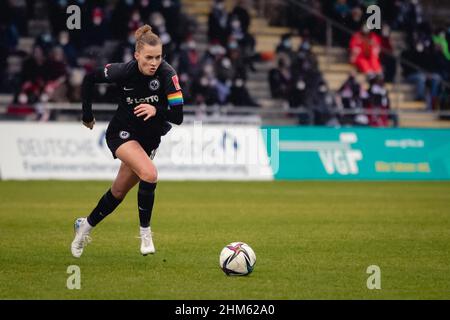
(313, 240)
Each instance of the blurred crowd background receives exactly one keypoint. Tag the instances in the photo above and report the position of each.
(41, 61)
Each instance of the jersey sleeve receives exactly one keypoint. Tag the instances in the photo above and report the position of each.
(172, 89)
(114, 72)
(111, 73)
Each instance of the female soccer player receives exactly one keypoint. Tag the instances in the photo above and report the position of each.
(150, 98)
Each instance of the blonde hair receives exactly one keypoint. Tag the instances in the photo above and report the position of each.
(144, 35)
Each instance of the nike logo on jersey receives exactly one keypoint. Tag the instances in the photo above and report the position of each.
(127, 89)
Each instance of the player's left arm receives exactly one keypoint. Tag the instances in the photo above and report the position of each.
(174, 111)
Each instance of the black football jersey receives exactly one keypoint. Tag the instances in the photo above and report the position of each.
(162, 90)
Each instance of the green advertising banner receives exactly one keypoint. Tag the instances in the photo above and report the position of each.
(360, 153)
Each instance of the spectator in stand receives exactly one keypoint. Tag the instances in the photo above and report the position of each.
(279, 80)
(237, 60)
(224, 71)
(365, 47)
(56, 76)
(70, 52)
(171, 10)
(214, 53)
(304, 61)
(9, 38)
(440, 40)
(204, 89)
(301, 21)
(98, 28)
(240, 11)
(17, 13)
(147, 7)
(323, 106)
(33, 67)
(125, 50)
(377, 104)
(390, 10)
(298, 95)
(239, 95)
(354, 22)
(218, 23)
(284, 48)
(21, 108)
(134, 21)
(427, 75)
(189, 58)
(349, 98)
(341, 13)
(387, 57)
(410, 15)
(245, 41)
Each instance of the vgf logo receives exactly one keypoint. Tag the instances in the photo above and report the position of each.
(337, 157)
(341, 158)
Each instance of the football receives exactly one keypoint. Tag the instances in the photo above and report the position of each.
(237, 259)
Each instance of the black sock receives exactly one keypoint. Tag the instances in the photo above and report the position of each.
(105, 206)
(146, 197)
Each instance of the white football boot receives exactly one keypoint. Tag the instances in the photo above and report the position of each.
(82, 238)
(146, 241)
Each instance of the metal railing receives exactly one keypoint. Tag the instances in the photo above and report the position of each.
(223, 114)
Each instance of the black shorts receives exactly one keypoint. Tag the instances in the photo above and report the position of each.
(115, 137)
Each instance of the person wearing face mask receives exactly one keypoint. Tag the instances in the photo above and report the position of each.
(280, 79)
(151, 98)
(285, 46)
(323, 105)
(239, 95)
(241, 13)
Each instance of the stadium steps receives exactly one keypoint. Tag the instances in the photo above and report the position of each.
(26, 45)
(422, 120)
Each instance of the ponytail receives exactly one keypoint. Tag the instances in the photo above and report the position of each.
(144, 35)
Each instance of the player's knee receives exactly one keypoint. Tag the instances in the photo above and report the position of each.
(149, 175)
(119, 193)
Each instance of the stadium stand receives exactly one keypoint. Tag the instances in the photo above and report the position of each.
(227, 71)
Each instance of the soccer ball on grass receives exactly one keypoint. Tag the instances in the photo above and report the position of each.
(237, 259)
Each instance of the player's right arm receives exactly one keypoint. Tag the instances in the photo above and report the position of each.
(111, 73)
